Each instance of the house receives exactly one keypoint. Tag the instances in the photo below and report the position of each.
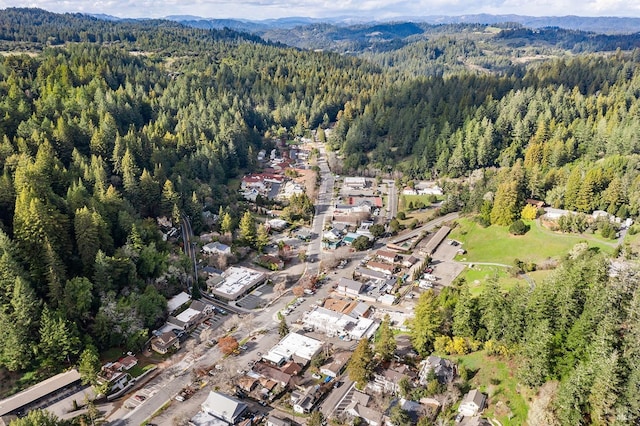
(443, 369)
(165, 342)
(332, 235)
(472, 403)
(224, 407)
(216, 247)
(381, 267)
(303, 402)
(409, 261)
(247, 383)
(270, 262)
(386, 256)
(277, 421)
(349, 287)
(272, 373)
(369, 415)
(350, 238)
(370, 274)
(387, 380)
(337, 365)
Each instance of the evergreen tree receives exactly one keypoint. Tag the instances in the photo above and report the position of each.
(426, 323)
(247, 229)
(359, 367)
(385, 344)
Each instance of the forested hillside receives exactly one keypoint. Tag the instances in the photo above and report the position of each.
(108, 125)
(97, 142)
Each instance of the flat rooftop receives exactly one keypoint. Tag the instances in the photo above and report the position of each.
(236, 280)
(178, 300)
(187, 315)
(294, 344)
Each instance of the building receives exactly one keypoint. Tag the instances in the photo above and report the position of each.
(336, 324)
(293, 347)
(355, 182)
(472, 403)
(178, 301)
(350, 238)
(216, 247)
(272, 373)
(165, 342)
(436, 240)
(39, 395)
(443, 369)
(387, 256)
(349, 287)
(385, 268)
(277, 421)
(369, 415)
(235, 282)
(387, 380)
(337, 364)
(224, 407)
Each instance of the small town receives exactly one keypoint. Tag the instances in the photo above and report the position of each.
(272, 213)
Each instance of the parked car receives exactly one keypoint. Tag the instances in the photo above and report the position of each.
(140, 397)
(316, 376)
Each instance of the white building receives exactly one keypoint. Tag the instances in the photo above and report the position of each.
(177, 301)
(355, 182)
(223, 407)
(235, 282)
(472, 403)
(216, 247)
(336, 324)
(293, 346)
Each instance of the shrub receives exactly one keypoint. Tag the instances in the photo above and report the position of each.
(518, 228)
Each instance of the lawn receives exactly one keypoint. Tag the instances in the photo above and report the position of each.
(494, 377)
(478, 276)
(495, 244)
(405, 200)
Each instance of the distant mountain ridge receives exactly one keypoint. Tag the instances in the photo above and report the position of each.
(604, 24)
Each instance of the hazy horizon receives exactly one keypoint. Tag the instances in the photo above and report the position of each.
(367, 9)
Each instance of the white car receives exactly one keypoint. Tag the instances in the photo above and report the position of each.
(316, 376)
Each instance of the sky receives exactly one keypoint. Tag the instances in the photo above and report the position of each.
(365, 9)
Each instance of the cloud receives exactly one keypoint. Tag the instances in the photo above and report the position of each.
(262, 9)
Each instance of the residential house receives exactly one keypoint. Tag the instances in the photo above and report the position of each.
(224, 407)
(386, 380)
(270, 262)
(165, 342)
(443, 369)
(369, 415)
(247, 383)
(272, 420)
(381, 267)
(350, 238)
(409, 261)
(216, 247)
(305, 401)
(272, 373)
(387, 256)
(337, 364)
(349, 287)
(472, 403)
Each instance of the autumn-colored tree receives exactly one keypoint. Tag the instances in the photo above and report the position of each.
(298, 290)
(228, 345)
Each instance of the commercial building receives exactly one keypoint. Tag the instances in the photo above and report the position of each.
(294, 347)
(336, 324)
(235, 282)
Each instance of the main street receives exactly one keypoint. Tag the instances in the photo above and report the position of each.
(323, 207)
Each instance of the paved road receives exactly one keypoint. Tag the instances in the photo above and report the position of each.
(323, 208)
(189, 247)
(393, 199)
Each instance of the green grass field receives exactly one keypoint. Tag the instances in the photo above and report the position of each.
(494, 377)
(478, 276)
(495, 243)
(413, 199)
